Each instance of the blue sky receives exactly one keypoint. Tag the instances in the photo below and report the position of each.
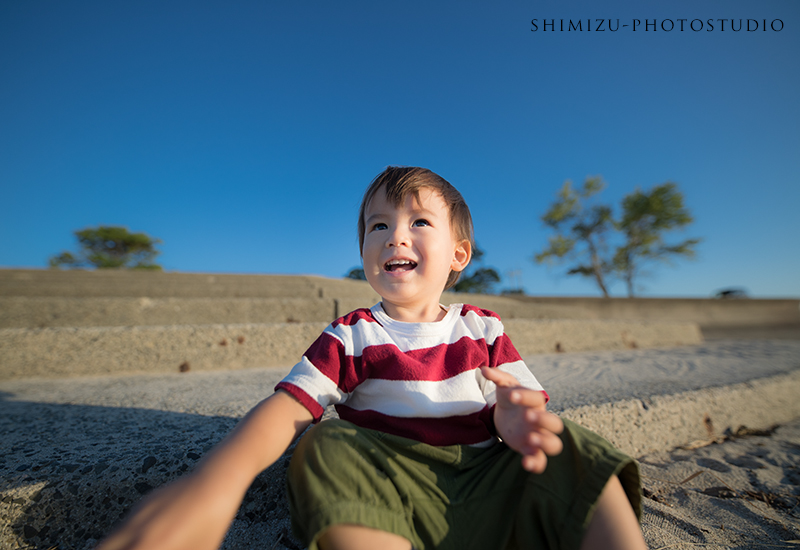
(243, 133)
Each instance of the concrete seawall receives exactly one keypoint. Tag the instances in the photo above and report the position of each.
(704, 311)
(75, 323)
(48, 312)
(36, 298)
(157, 284)
(96, 311)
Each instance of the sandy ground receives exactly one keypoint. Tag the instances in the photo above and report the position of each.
(76, 454)
(743, 492)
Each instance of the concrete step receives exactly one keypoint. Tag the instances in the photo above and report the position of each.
(59, 311)
(45, 312)
(82, 351)
(704, 311)
(135, 284)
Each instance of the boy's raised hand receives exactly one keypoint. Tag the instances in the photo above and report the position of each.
(522, 421)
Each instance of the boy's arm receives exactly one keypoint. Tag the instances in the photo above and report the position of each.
(522, 421)
(195, 511)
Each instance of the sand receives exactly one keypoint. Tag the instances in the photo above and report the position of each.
(743, 492)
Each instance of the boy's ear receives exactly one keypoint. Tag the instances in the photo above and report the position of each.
(461, 256)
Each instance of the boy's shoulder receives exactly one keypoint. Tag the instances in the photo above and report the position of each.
(466, 309)
(352, 318)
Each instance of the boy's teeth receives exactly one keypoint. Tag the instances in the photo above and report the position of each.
(399, 264)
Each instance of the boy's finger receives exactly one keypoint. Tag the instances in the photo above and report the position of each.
(550, 444)
(544, 420)
(502, 379)
(535, 463)
(527, 398)
(546, 442)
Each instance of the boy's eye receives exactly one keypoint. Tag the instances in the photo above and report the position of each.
(420, 223)
(379, 226)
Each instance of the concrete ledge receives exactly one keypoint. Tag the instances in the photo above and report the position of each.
(156, 284)
(639, 426)
(119, 350)
(786, 331)
(73, 351)
(704, 311)
(565, 335)
(59, 311)
(45, 312)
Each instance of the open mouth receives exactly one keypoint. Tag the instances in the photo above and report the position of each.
(399, 265)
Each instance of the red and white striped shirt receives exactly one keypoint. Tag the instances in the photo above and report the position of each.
(416, 380)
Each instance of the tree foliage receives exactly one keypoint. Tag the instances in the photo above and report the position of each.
(581, 228)
(110, 247)
(584, 228)
(645, 217)
(356, 273)
(477, 279)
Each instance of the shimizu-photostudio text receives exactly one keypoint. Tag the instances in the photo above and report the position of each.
(654, 25)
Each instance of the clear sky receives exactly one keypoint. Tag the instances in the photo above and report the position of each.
(243, 133)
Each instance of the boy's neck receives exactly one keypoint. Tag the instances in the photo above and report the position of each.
(428, 313)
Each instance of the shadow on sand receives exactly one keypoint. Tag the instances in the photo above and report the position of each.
(71, 472)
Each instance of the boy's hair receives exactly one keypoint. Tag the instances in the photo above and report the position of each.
(400, 181)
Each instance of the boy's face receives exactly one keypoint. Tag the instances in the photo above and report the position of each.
(409, 251)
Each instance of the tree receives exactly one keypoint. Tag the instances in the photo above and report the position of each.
(356, 273)
(645, 217)
(109, 247)
(581, 229)
(479, 280)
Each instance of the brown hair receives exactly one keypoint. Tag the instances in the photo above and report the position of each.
(400, 181)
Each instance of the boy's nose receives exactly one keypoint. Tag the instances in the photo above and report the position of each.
(398, 237)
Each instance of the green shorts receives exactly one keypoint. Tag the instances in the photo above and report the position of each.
(453, 497)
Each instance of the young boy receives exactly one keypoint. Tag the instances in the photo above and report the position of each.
(443, 438)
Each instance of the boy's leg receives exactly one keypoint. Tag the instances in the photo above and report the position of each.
(614, 523)
(581, 488)
(356, 537)
(342, 477)
(358, 480)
